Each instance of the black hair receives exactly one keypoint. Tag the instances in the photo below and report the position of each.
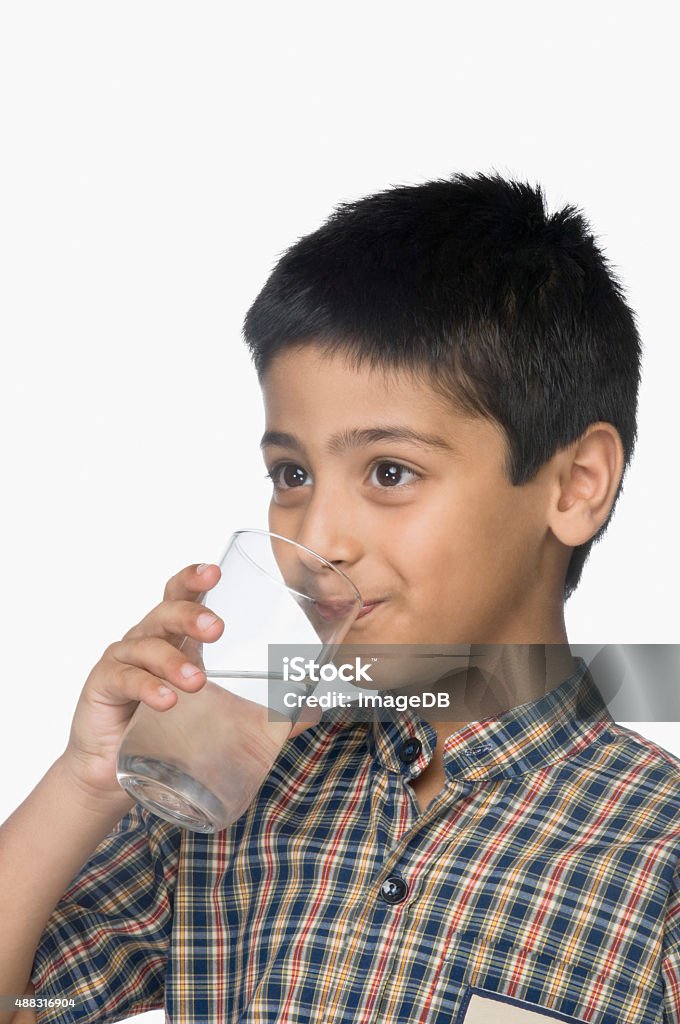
(510, 312)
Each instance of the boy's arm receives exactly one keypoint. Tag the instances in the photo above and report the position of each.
(116, 915)
(43, 844)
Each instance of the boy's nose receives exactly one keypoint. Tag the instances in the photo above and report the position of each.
(327, 526)
(340, 551)
(308, 557)
(337, 554)
(335, 543)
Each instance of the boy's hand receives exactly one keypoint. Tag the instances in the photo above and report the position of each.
(138, 668)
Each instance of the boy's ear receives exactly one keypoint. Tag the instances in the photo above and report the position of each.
(587, 476)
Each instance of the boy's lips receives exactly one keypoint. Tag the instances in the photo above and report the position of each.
(332, 610)
(368, 607)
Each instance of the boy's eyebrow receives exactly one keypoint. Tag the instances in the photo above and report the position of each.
(359, 437)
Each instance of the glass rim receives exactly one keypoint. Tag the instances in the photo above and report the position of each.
(295, 543)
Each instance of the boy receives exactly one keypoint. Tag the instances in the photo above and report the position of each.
(450, 383)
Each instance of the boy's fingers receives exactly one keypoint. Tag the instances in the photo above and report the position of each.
(174, 620)
(188, 584)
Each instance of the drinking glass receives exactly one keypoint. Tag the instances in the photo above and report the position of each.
(200, 763)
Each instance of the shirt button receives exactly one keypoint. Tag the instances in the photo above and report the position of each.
(394, 889)
(410, 750)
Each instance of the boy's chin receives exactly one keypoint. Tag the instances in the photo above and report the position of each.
(380, 630)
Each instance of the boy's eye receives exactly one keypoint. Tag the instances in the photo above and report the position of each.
(391, 474)
(287, 475)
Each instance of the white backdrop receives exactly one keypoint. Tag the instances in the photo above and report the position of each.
(156, 159)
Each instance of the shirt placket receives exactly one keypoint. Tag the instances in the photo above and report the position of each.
(382, 915)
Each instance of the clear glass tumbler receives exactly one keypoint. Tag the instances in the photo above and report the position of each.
(200, 763)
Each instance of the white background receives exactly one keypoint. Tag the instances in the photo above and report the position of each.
(156, 159)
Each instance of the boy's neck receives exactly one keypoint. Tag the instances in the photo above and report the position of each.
(497, 678)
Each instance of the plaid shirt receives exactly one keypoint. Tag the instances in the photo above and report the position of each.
(545, 875)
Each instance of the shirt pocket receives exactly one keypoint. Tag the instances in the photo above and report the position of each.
(501, 982)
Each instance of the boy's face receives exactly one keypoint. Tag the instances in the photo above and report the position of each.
(432, 531)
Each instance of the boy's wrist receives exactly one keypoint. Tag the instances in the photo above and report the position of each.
(92, 799)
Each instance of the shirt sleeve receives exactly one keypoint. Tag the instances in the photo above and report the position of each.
(106, 943)
(670, 954)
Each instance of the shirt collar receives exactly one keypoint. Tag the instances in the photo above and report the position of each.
(522, 739)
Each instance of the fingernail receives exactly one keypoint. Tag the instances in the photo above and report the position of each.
(202, 567)
(206, 619)
(188, 670)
